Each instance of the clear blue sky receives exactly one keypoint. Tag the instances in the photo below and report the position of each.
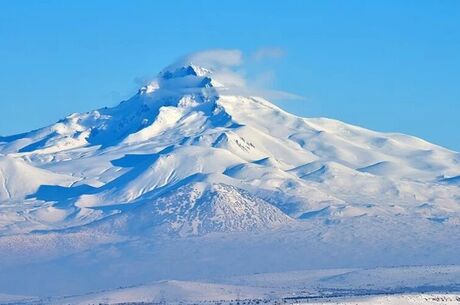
(385, 65)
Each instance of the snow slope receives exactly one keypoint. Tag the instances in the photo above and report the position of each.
(18, 179)
(183, 161)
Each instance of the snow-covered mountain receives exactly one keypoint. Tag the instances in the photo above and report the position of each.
(201, 156)
(185, 158)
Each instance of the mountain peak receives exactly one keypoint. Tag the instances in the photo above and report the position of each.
(184, 71)
(182, 78)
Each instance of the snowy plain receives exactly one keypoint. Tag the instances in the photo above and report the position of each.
(396, 285)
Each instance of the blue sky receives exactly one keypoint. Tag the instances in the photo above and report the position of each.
(384, 65)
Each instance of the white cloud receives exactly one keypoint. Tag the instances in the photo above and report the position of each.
(230, 78)
(215, 59)
(230, 69)
(267, 53)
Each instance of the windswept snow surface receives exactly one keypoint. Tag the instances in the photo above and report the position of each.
(184, 181)
(401, 285)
